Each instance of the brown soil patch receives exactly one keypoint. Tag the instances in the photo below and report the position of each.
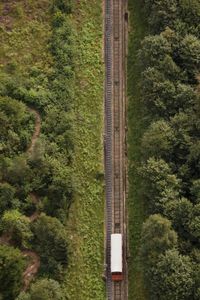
(36, 132)
(32, 268)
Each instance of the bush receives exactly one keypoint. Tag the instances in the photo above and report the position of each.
(7, 197)
(43, 289)
(63, 5)
(172, 277)
(157, 237)
(18, 227)
(50, 239)
(160, 185)
(11, 270)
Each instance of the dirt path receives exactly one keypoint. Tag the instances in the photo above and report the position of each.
(32, 268)
(34, 264)
(35, 199)
(36, 131)
(6, 239)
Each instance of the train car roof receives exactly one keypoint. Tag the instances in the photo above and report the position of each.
(116, 252)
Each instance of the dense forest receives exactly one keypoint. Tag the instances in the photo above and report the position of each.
(169, 166)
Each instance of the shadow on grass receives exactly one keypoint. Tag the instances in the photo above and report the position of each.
(136, 125)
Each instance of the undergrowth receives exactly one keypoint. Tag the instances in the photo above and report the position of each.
(86, 217)
(136, 210)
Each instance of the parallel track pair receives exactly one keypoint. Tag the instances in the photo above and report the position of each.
(115, 138)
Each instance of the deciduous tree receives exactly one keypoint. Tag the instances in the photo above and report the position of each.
(157, 237)
(11, 269)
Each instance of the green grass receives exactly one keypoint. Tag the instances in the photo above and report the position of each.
(86, 216)
(24, 34)
(137, 30)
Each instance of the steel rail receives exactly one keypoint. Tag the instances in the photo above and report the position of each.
(114, 144)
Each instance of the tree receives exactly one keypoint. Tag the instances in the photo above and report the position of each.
(18, 170)
(16, 125)
(158, 139)
(195, 255)
(54, 180)
(183, 130)
(190, 54)
(179, 211)
(60, 189)
(43, 289)
(158, 93)
(157, 237)
(164, 97)
(195, 190)
(7, 197)
(169, 68)
(194, 157)
(50, 239)
(160, 13)
(160, 185)
(172, 277)
(18, 226)
(64, 6)
(195, 222)
(190, 12)
(11, 269)
(153, 51)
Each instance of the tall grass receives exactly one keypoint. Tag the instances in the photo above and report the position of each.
(86, 216)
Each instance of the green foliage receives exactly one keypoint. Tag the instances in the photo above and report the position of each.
(196, 260)
(11, 269)
(64, 6)
(157, 237)
(163, 97)
(161, 13)
(52, 179)
(167, 105)
(160, 185)
(195, 190)
(180, 213)
(18, 170)
(172, 277)
(18, 227)
(190, 13)
(190, 54)
(7, 197)
(86, 215)
(50, 240)
(158, 139)
(43, 289)
(195, 222)
(154, 49)
(16, 125)
(37, 73)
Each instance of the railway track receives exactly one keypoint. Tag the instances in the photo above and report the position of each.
(115, 169)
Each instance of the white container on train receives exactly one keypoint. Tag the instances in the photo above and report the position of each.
(116, 257)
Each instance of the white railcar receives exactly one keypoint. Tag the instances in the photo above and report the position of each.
(116, 257)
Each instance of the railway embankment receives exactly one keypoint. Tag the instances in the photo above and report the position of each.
(136, 212)
(86, 216)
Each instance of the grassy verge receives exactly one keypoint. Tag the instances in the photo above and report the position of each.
(136, 127)
(86, 216)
